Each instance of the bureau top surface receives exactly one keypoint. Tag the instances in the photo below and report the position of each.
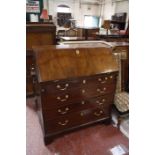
(117, 44)
(74, 45)
(38, 25)
(54, 63)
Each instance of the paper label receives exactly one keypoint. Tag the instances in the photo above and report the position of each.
(117, 150)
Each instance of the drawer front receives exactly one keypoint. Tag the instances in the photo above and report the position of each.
(61, 86)
(74, 120)
(99, 102)
(76, 95)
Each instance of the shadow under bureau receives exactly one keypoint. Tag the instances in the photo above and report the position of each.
(75, 86)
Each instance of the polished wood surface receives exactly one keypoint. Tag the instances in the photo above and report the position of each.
(87, 32)
(118, 47)
(65, 110)
(62, 63)
(76, 86)
(86, 116)
(36, 34)
(76, 45)
(40, 34)
(61, 110)
(123, 49)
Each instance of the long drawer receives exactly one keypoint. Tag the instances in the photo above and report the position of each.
(98, 102)
(49, 100)
(59, 86)
(75, 120)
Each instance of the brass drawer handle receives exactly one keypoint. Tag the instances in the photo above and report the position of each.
(106, 78)
(101, 81)
(63, 124)
(98, 113)
(82, 114)
(42, 90)
(63, 112)
(83, 91)
(84, 81)
(77, 52)
(82, 102)
(60, 88)
(64, 99)
(100, 103)
(101, 91)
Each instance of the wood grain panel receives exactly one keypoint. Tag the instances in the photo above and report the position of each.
(76, 86)
(61, 86)
(75, 119)
(36, 34)
(61, 64)
(39, 39)
(98, 102)
(75, 95)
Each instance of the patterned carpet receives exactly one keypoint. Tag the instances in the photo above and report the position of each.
(95, 140)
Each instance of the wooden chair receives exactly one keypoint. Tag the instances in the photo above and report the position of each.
(121, 106)
(72, 32)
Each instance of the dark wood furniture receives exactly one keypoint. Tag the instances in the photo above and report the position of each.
(40, 34)
(36, 34)
(87, 32)
(123, 49)
(113, 37)
(119, 24)
(120, 49)
(119, 20)
(76, 86)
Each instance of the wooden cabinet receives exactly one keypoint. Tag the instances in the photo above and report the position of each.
(122, 49)
(76, 87)
(40, 34)
(87, 33)
(36, 34)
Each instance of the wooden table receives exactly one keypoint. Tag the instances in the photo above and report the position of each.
(86, 31)
(112, 37)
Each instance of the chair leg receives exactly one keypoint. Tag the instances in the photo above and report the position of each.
(119, 122)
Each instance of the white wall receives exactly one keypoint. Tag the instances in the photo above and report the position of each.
(111, 7)
(123, 7)
(45, 4)
(108, 9)
(52, 7)
(88, 10)
(78, 11)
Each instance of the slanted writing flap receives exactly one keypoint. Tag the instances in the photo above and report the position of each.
(61, 63)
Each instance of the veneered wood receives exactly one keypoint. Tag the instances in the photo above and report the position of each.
(75, 120)
(123, 48)
(40, 34)
(62, 63)
(76, 87)
(92, 103)
(36, 34)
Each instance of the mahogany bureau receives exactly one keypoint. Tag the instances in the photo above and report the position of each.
(75, 87)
